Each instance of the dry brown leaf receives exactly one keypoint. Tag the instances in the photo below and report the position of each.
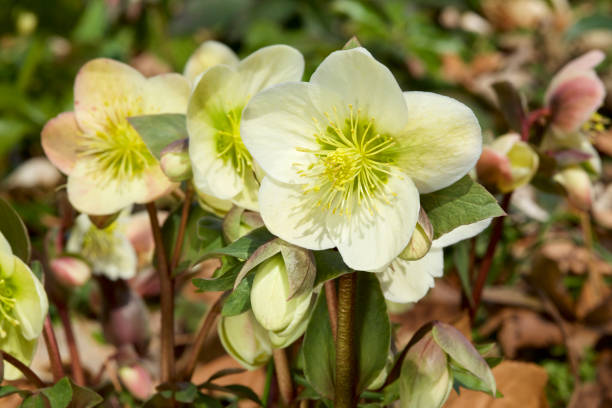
(522, 384)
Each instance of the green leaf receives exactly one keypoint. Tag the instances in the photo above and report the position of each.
(465, 379)
(461, 258)
(37, 269)
(223, 282)
(264, 252)
(84, 397)
(206, 401)
(239, 301)
(60, 394)
(319, 351)
(372, 329)
(244, 247)
(511, 103)
(15, 232)
(594, 22)
(239, 391)
(158, 131)
(329, 266)
(6, 390)
(34, 401)
(231, 224)
(462, 203)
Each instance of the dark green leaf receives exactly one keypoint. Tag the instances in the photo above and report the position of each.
(329, 266)
(465, 379)
(244, 247)
(60, 394)
(225, 372)
(594, 22)
(240, 391)
(206, 401)
(239, 301)
(15, 232)
(37, 269)
(462, 203)
(84, 397)
(224, 282)
(6, 390)
(34, 401)
(158, 131)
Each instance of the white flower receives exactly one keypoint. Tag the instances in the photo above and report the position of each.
(222, 166)
(347, 154)
(408, 281)
(207, 55)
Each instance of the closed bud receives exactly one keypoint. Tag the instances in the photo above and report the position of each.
(425, 380)
(577, 184)
(507, 163)
(137, 380)
(245, 340)
(175, 161)
(70, 271)
(283, 313)
(420, 243)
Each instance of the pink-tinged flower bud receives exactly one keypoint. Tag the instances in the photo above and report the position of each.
(137, 380)
(577, 184)
(576, 92)
(70, 271)
(175, 161)
(507, 163)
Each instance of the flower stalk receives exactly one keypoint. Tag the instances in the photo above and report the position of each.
(75, 360)
(176, 253)
(345, 354)
(55, 358)
(283, 377)
(332, 306)
(25, 370)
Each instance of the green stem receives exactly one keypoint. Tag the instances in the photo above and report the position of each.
(178, 246)
(345, 355)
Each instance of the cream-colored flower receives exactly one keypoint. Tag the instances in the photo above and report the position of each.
(207, 55)
(222, 166)
(347, 154)
(23, 308)
(107, 163)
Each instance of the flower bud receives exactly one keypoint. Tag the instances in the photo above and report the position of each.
(425, 379)
(507, 163)
(420, 243)
(244, 339)
(577, 184)
(70, 271)
(283, 315)
(175, 161)
(137, 380)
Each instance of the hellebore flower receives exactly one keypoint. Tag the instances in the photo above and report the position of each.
(23, 308)
(245, 340)
(576, 182)
(207, 55)
(285, 319)
(347, 154)
(107, 163)
(408, 281)
(108, 250)
(175, 161)
(222, 166)
(507, 163)
(575, 92)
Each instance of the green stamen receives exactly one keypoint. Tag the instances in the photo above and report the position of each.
(230, 147)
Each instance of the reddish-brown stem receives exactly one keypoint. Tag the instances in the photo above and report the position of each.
(345, 355)
(75, 360)
(167, 299)
(283, 377)
(531, 118)
(55, 358)
(202, 335)
(178, 246)
(25, 370)
(332, 306)
(485, 265)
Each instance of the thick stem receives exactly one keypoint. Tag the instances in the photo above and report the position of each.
(75, 360)
(25, 370)
(178, 246)
(167, 299)
(54, 355)
(345, 355)
(202, 335)
(283, 376)
(332, 306)
(485, 266)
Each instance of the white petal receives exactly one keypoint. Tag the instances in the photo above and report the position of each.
(247, 198)
(408, 281)
(223, 181)
(279, 121)
(269, 66)
(167, 93)
(207, 55)
(290, 215)
(460, 233)
(366, 84)
(369, 240)
(441, 141)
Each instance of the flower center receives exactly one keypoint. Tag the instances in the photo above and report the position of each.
(117, 150)
(352, 165)
(7, 304)
(98, 244)
(597, 123)
(229, 144)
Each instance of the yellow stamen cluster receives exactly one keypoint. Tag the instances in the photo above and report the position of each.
(353, 164)
(7, 303)
(597, 123)
(230, 146)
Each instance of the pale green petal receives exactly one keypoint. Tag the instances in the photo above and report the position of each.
(248, 197)
(7, 259)
(31, 301)
(269, 66)
(290, 214)
(167, 93)
(367, 85)
(245, 340)
(460, 233)
(368, 240)
(277, 126)
(19, 347)
(409, 281)
(441, 141)
(207, 55)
